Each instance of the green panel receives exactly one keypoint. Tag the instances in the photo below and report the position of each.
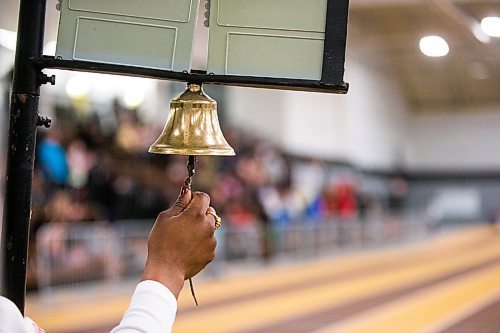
(124, 43)
(273, 56)
(301, 15)
(153, 33)
(171, 10)
(268, 38)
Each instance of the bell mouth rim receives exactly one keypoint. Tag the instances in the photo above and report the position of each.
(191, 151)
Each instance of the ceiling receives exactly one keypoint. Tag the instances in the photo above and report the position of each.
(467, 78)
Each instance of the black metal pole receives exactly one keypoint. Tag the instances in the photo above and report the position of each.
(21, 149)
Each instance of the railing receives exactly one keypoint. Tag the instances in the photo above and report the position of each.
(75, 254)
(72, 254)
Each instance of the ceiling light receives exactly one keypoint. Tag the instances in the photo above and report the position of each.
(78, 87)
(133, 98)
(491, 26)
(479, 33)
(434, 46)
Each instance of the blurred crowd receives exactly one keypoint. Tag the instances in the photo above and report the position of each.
(83, 173)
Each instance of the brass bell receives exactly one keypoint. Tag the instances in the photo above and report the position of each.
(192, 127)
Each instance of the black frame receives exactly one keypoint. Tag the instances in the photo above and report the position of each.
(196, 76)
(24, 118)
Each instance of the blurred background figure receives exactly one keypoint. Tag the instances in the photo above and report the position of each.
(53, 160)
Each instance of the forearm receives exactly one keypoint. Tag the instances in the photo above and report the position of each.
(152, 310)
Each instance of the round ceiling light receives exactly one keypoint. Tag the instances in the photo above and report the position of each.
(133, 98)
(491, 26)
(78, 86)
(434, 46)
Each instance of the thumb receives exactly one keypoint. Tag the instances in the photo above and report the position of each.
(180, 204)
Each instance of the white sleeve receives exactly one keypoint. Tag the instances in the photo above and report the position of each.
(12, 320)
(152, 310)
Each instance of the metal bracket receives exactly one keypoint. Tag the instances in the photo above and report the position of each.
(44, 79)
(43, 121)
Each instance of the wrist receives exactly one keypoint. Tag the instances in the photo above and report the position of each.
(170, 276)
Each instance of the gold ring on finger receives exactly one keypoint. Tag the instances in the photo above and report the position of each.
(218, 220)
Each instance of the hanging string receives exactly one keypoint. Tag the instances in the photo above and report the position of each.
(191, 165)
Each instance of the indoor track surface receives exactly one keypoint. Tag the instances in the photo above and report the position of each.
(449, 283)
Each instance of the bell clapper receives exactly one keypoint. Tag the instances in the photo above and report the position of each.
(191, 165)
